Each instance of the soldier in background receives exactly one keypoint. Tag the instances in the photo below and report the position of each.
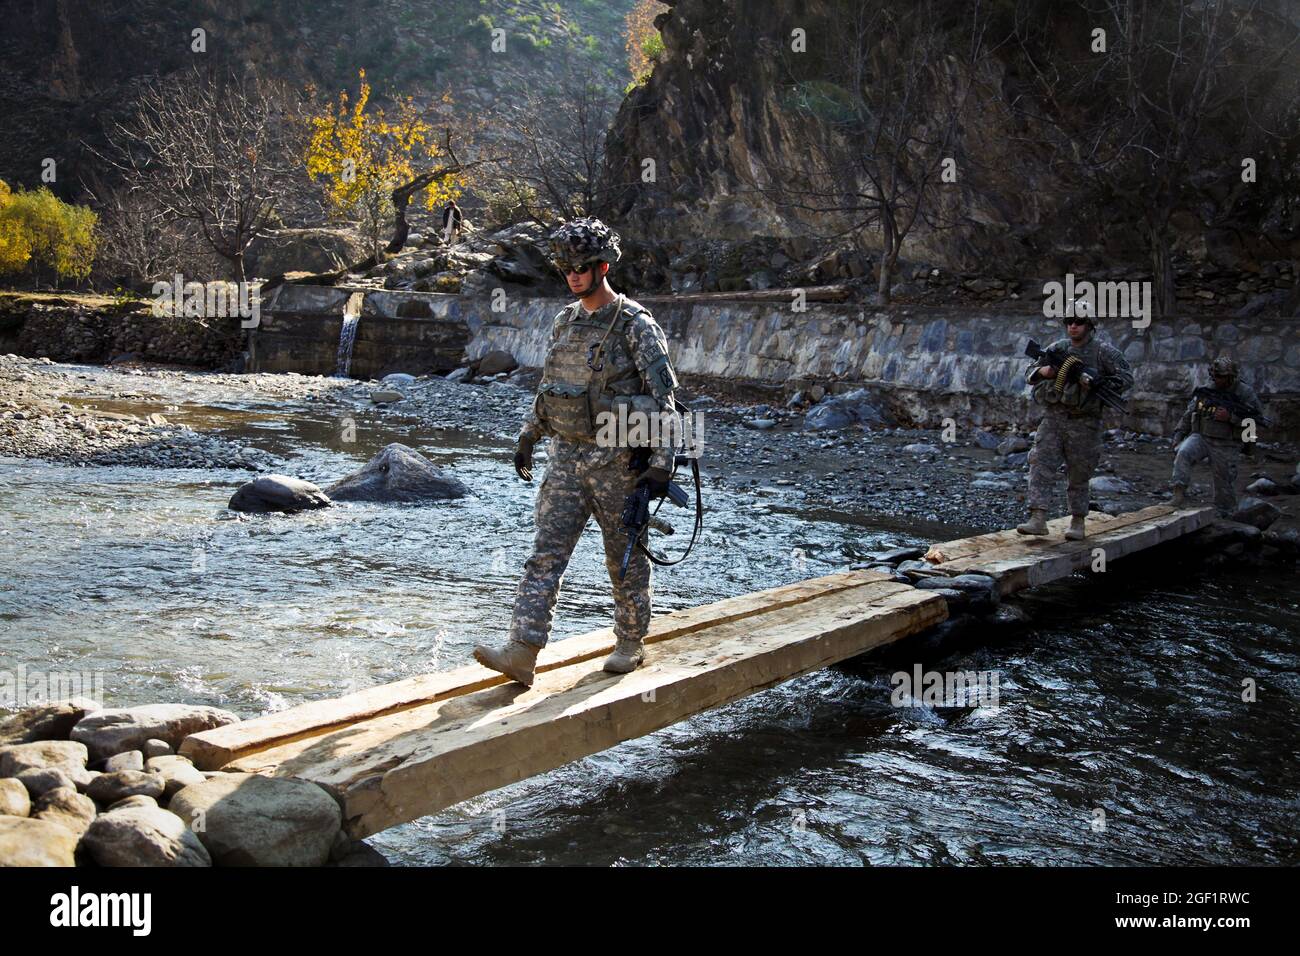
(605, 350)
(1070, 431)
(451, 222)
(1212, 431)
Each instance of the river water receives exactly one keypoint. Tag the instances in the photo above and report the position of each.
(1121, 735)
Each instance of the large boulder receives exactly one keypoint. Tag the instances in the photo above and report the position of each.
(66, 755)
(119, 729)
(251, 820)
(28, 842)
(14, 799)
(177, 773)
(67, 808)
(277, 493)
(303, 250)
(41, 780)
(397, 474)
(855, 407)
(143, 836)
(495, 362)
(1256, 511)
(109, 788)
(44, 722)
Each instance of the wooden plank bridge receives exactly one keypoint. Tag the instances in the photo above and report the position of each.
(400, 751)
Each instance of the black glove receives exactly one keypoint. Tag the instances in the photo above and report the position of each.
(524, 460)
(656, 479)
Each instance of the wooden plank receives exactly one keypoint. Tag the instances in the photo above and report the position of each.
(1044, 559)
(407, 764)
(213, 749)
(984, 544)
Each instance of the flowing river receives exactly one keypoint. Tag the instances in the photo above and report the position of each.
(1122, 735)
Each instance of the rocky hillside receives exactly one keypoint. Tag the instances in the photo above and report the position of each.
(67, 66)
(714, 115)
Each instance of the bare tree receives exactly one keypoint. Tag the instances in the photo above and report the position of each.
(881, 104)
(561, 140)
(214, 153)
(1162, 101)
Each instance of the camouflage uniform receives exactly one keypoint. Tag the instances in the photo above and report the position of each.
(1070, 431)
(1198, 436)
(582, 478)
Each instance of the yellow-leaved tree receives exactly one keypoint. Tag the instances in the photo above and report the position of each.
(373, 162)
(39, 230)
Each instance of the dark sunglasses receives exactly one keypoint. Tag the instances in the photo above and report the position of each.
(1076, 321)
(574, 267)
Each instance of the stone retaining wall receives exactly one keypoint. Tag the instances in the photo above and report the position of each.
(933, 363)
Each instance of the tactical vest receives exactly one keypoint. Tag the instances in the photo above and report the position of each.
(1203, 421)
(589, 364)
(1072, 397)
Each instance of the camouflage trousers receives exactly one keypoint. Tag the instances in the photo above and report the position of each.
(1076, 442)
(1196, 448)
(580, 483)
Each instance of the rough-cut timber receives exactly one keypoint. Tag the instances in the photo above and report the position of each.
(1020, 561)
(404, 765)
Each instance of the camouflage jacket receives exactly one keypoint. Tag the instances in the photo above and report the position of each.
(1074, 399)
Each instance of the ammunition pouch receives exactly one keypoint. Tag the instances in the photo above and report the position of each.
(567, 410)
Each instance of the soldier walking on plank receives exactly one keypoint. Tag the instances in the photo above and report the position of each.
(606, 352)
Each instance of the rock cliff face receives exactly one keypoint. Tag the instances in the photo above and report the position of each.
(712, 117)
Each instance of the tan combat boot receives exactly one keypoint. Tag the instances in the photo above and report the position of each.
(516, 660)
(1179, 497)
(628, 655)
(1037, 523)
(1076, 531)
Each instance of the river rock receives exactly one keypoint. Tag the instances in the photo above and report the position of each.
(127, 760)
(361, 853)
(496, 361)
(41, 780)
(1009, 446)
(398, 474)
(143, 836)
(921, 448)
(1105, 484)
(177, 773)
(460, 375)
(761, 424)
(135, 800)
(118, 729)
(66, 755)
(67, 808)
(251, 820)
(986, 440)
(44, 722)
(277, 493)
(156, 748)
(1256, 511)
(111, 787)
(397, 380)
(855, 407)
(25, 841)
(1264, 486)
(14, 799)
(900, 554)
(383, 396)
(1018, 459)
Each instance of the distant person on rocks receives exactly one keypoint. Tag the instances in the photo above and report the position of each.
(1212, 427)
(1070, 431)
(451, 222)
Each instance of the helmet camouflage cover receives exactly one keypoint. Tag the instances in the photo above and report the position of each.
(1223, 367)
(580, 241)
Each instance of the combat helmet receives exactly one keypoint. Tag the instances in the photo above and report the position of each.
(580, 242)
(1223, 367)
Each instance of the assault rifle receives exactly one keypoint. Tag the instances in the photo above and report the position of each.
(1210, 398)
(636, 517)
(1070, 368)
